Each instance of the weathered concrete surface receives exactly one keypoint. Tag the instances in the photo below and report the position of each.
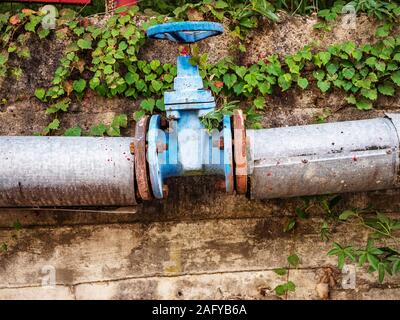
(198, 243)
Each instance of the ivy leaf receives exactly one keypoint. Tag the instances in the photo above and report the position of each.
(108, 69)
(94, 83)
(137, 115)
(264, 87)
(357, 55)
(131, 78)
(259, 103)
(396, 57)
(293, 260)
(371, 94)
(79, 85)
(319, 74)
(285, 81)
(241, 71)
(62, 105)
(230, 79)
(109, 59)
(55, 124)
(73, 132)
(371, 61)
(84, 44)
(324, 85)
(349, 47)
(98, 130)
(324, 57)
(363, 104)
(157, 85)
(382, 32)
(380, 66)
(33, 22)
(43, 33)
(148, 105)
(280, 271)
(154, 64)
(120, 121)
(332, 68)
(168, 77)
(130, 30)
(302, 83)
(3, 58)
(40, 93)
(160, 104)
(349, 73)
(130, 92)
(386, 89)
(396, 77)
(284, 288)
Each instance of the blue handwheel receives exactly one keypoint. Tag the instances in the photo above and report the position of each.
(185, 32)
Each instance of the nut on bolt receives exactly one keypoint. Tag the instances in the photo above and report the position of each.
(132, 148)
(161, 147)
(165, 190)
(219, 143)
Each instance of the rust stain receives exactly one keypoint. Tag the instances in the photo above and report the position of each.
(239, 149)
(141, 172)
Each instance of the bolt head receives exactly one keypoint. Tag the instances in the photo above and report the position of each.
(132, 148)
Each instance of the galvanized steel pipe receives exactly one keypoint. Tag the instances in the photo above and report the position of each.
(282, 162)
(324, 158)
(66, 171)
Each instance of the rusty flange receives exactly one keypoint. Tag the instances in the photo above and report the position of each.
(141, 169)
(240, 151)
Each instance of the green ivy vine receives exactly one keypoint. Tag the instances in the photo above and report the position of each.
(105, 59)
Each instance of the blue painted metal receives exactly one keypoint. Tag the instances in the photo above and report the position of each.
(185, 32)
(187, 148)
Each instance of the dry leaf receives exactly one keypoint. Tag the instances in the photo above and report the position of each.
(28, 12)
(80, 65)
(85, 22)
(194, 15)
(322, 290)
(218, 84)
(14, 20)
(68, 87)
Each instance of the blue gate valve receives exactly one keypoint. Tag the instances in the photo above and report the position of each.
(186, 147)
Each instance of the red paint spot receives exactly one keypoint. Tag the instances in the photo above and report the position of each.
(184, 51)
(354, 158)
(129, 159)
(269, 174)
